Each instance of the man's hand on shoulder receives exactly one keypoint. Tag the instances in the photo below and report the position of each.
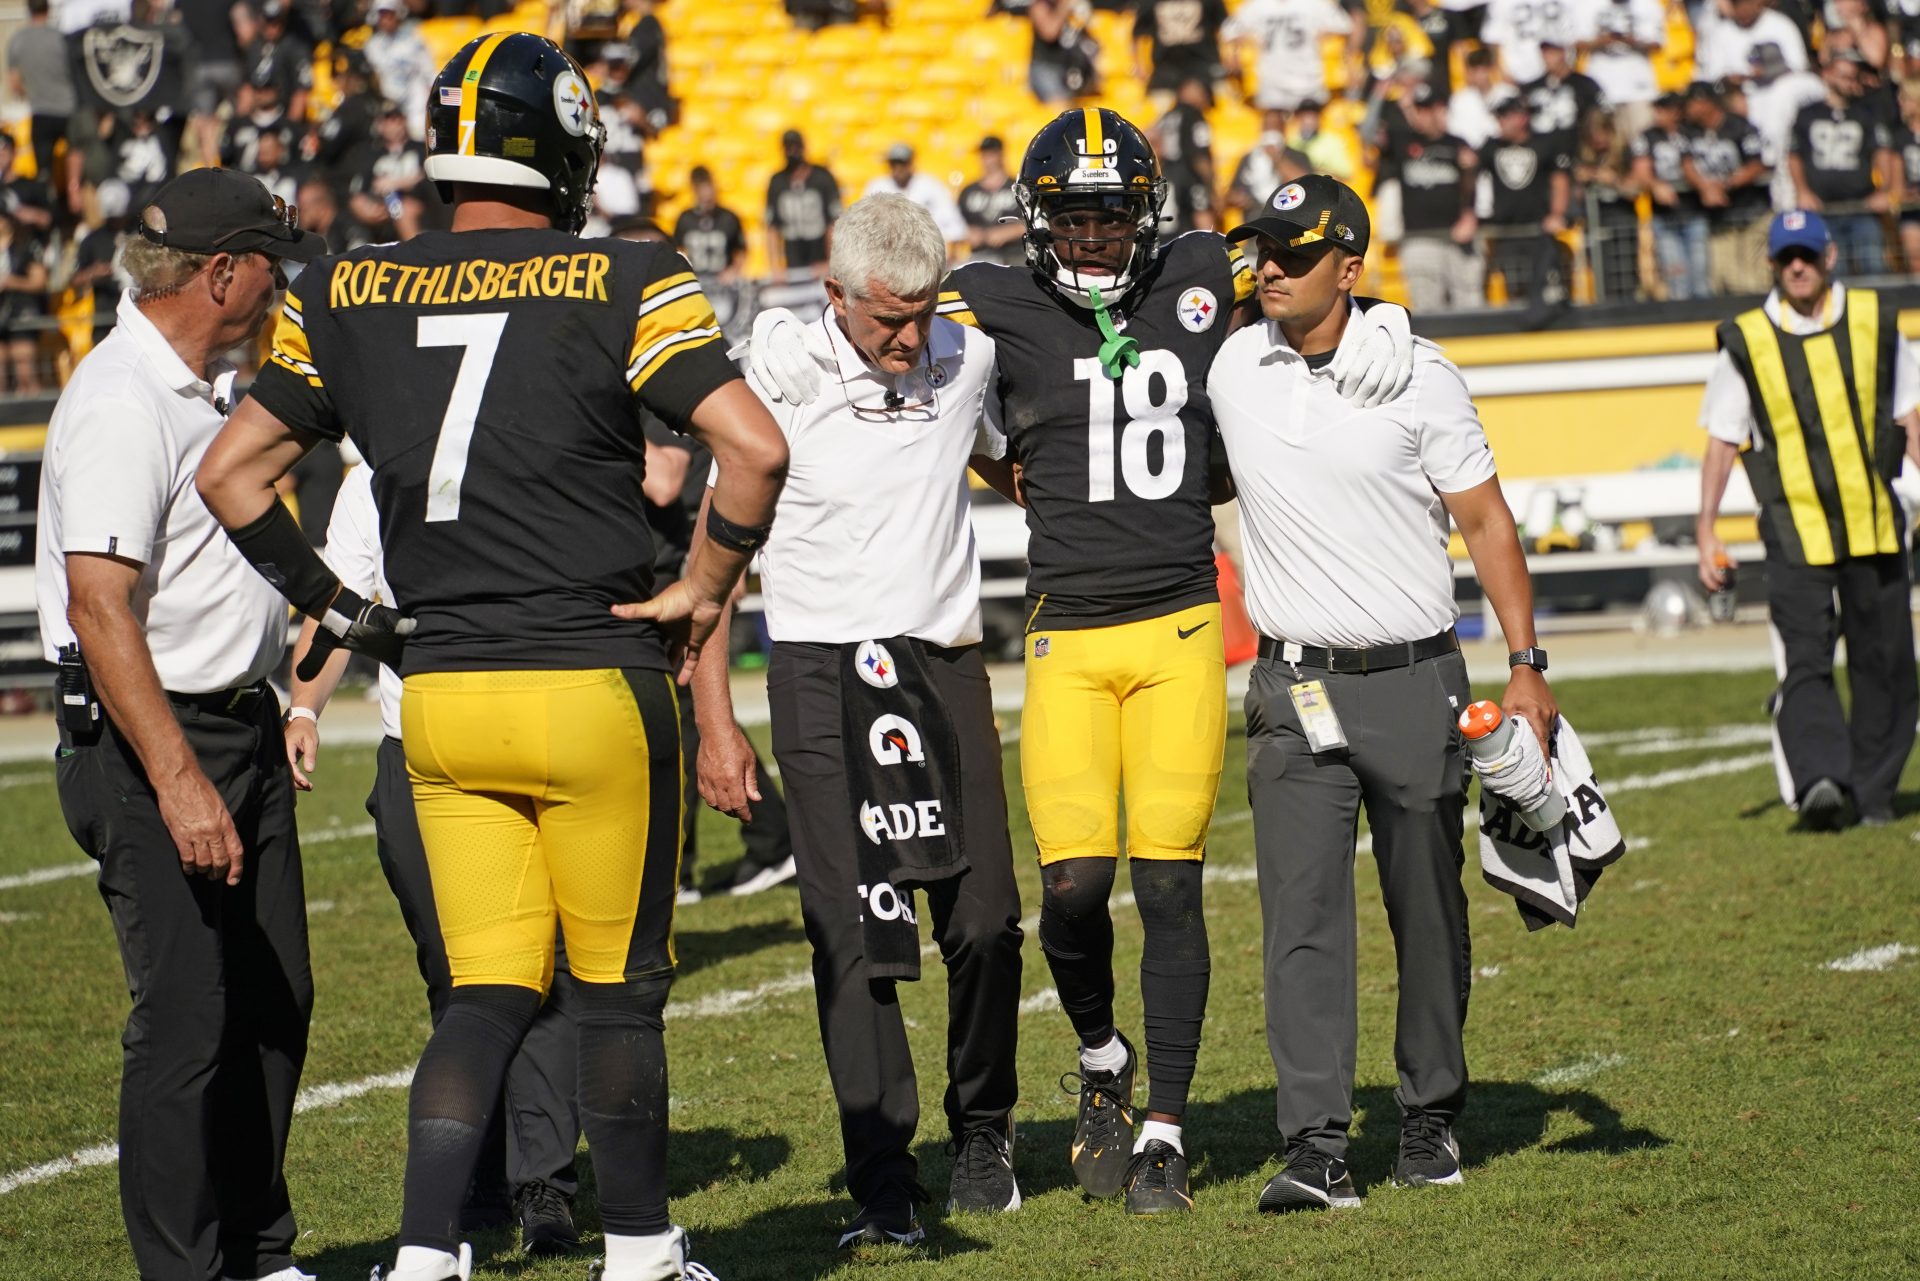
(1374, 362)
(784, 357)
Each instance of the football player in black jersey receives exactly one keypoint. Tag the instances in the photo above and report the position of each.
(1104, 339)
(493, 377)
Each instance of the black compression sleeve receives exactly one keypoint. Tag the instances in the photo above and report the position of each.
(275, 546)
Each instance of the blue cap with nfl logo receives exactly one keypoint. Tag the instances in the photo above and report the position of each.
(1798, 229)
(1311, 210)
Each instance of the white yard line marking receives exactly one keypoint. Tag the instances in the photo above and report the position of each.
(738, 999)
(24, 780)
(345, 832)
(1869, 960)
(1719, 736)
(43, 875)
(1487, 972)
(14, 918)
(1579, 1070)
(332, 1095)
(317, 905)
(1667, 778)
(1045, 999)
(85, 1158)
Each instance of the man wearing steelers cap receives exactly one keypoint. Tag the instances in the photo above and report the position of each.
(1344, 513)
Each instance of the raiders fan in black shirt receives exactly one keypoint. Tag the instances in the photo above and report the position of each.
(803, 201)
(712, 239)
(1522, 178)
(1559, 102)
(1837, 149)
(1660, 156)
(1435, 183)
(1732, 154)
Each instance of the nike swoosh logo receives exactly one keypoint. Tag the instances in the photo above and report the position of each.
(1188, 631)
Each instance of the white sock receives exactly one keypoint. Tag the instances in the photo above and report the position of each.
(1164, 1131)
(1111, 1057)
(663, 1254)
(427, 1261)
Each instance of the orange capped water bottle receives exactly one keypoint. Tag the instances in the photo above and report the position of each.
(1489, 739)
(1720, 604)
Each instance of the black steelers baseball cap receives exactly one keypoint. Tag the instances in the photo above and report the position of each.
(224, 211)
(1309, 211)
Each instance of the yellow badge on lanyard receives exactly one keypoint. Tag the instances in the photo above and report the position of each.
(1318, 720)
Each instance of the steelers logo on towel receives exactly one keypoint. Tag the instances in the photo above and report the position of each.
(875, 665)
(1198, 309)
(1289, 197)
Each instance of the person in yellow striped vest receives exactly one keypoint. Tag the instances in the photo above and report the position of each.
(1815, 391)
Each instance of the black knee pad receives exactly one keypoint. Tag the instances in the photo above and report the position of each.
(1168, 895)
(1073, 904)
(643, 1000)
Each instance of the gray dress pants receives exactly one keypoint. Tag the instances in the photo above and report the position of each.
(1404, 763)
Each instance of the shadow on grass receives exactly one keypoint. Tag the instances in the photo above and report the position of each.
(800, 1241)
(1232, 1138)
(697, 1160)
(698, 949)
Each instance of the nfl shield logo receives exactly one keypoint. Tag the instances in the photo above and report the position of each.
(1041, 647)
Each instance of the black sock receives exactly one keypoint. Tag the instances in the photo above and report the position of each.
(455, 1092)
(1175, 965)
(623, 1100)
(1076, 933)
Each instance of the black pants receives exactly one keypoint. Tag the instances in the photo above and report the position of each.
(1814, 738)
(976, 917)
(222, 995)
(767, 839)
(46, 131)
(541, 1114)
(1404, 763)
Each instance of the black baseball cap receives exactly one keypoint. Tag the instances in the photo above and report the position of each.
(1427, 94)
(215, 211)
(1309, 210)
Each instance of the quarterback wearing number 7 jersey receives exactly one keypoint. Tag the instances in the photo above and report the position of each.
(493, 378)
(1104, 340)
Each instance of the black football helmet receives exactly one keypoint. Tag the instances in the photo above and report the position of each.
(511, 109)
(1089, 157)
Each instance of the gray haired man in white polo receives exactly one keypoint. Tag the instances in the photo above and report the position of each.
(1360, 680)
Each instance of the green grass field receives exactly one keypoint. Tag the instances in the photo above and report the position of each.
(1684, 1086)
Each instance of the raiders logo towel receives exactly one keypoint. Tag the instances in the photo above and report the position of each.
(1550, 873)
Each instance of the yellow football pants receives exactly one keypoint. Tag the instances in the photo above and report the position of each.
(547, 796)
(1140, 706)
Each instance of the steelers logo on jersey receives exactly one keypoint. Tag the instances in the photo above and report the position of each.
(572, 103)
(1197, 309)
(875, 665)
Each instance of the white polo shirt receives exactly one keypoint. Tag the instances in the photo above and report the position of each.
(1726, 411)
(353, 552)
(873, 535)
(117, 479)
(1341, 521)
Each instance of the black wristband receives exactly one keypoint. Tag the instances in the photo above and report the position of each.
(745, 539)
(274, 545)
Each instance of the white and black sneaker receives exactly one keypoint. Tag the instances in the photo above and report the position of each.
(766, 878)
(889, 1218)
(1429, 1153)
(983, 1181)
(1824, 807)
(1311, 1180)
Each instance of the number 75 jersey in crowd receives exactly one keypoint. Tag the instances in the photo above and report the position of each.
(1115, 469)
(494, 381)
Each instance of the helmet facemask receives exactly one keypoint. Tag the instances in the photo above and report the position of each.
(1083, 240)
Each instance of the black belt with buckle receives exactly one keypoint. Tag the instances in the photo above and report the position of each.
(239, 702)
(1367, 658)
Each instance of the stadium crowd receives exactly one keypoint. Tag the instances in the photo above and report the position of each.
(1511, 148)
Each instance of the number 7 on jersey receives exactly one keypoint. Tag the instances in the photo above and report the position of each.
(480, 336)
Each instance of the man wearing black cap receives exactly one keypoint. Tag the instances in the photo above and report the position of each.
(1726, 166)
(1437, 174)
(803, 203)
(991, 209)
(1660, 157)
(1352, 703)
(1530, 184)
(174, 779)
(1560, 97)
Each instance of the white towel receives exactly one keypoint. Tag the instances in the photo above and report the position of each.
(1549, 873)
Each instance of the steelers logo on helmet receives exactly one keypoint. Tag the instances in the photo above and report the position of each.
(1288, 197)
(572, 102)
(1198, 309)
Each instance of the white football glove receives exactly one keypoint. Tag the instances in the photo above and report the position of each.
(785, 355)
(1374, 362)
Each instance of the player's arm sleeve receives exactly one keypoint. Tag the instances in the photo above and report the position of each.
(953, 303)
(678, 357)
(1726, 411)
(289, 385)
(990, 436)
(1242, 270)
(113, 470)
(1906, 378)
(353, 541)
(1452, 444)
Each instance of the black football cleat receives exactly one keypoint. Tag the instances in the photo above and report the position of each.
(1157, 1181)
(1103, 1135)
